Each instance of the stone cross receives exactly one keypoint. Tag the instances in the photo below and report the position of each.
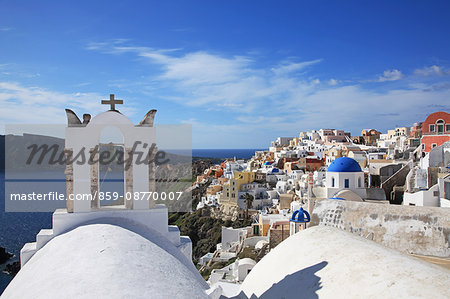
(112, 102)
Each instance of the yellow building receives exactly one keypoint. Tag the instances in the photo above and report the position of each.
(295, 142)
(334, 152)
(264, 225)
(229, 194)
(231, 188)
(244, 177)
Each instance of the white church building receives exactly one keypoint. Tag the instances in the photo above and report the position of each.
(344, 180)
(344, 173)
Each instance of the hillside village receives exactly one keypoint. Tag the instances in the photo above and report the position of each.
(280, 190)
(323, 213)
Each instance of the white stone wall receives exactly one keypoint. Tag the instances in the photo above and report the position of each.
(425, 198)
(230, 236)
(418, 230)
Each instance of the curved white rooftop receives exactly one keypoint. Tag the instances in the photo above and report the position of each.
(348, 194)
(326, 262)
(110, 118)
(247, 261)
(106, 261)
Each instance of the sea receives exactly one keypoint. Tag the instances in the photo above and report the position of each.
(224, 153)
(16, 228)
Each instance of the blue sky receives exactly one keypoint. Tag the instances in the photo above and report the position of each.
(241, 72)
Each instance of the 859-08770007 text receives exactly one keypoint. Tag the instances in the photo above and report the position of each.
(140, 195)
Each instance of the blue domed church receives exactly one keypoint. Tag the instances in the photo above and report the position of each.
(345, 174)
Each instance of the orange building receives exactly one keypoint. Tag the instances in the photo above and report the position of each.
(435, 130)
(370, 136)
(416, 130)
(314, 164)
(218, 173)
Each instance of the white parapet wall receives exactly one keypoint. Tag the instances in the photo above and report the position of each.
(138, 221)
(411, 229)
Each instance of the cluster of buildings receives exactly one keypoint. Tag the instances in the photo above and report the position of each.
(405, 166)
(295, 168)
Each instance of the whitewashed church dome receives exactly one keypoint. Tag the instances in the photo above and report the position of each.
(344, 164)
(325, 262)
(107, 261)
(111, 117)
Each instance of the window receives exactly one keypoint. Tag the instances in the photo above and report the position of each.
(447, 127)
(423, 146)
(346, 183)
(447, 190)
(431, 128)
(332, 182)
(440, 126)
(433, 145)
(359, 182)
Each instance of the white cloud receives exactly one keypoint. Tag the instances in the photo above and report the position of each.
(215, 81)
(390, 75)
(333, 82)
(106, 46)
(259, 102)
(203, 68)
(261, 119)
(22, 104)
(275, 99)
(190, 121)
(231, 105)
(18, 71)
(82, 84)
(433, 70)
(288, 68)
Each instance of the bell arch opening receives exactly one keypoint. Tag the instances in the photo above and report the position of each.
(111, 168)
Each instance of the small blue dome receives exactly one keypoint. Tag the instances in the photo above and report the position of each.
(275, 170)
(267, 163)
(344, 164)
(300, 216)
